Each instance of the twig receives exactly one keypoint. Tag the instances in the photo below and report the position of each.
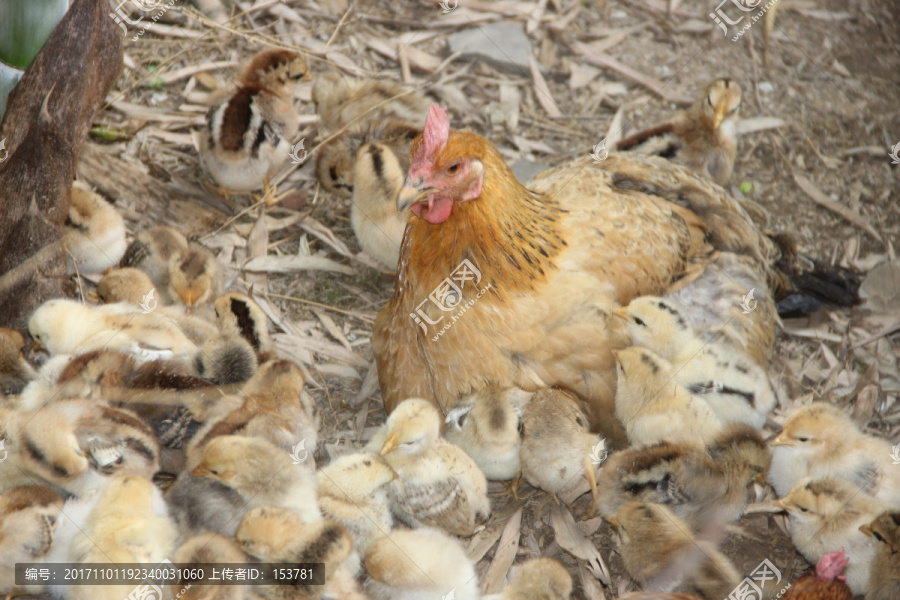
(337, 29)
(320, 305)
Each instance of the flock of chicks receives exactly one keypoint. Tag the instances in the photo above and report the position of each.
(184, 393)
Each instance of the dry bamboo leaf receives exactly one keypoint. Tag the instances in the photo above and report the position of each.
(483, 541)
(755, 124)
(203, 67)
(570, 539)
(369, 385)
(332, 328)
(323, 347)
(292, 264)
(504, 556)
(592, 590)
(177, 32)
(614, 133)
(542, 91)
(332, 369)
(142, 113)
(847, 213)
(176, 139)
(534, 19)
(322, 232)
(257, 246)
(651, 83)
(816, 334)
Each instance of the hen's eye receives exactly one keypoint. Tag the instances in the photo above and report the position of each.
(453, 168)
(640, 322)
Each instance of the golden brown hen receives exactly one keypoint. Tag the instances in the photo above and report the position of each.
(825, 583)
(502, 284)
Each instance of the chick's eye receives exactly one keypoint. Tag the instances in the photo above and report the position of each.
(453, 168)
(802, 509)
(879, 537)
(638, 321)
(802, 439)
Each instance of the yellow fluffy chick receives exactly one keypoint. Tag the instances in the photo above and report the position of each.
(342, 100)
(93, 234)
(424, 564)
(820, 440)
(439, 485)
(884, 576)
(653, 406)
(150, 251)
(128, 523)
(208, 548)
(76, 445)
(538, 579)
(377, 178)
(129, 285)
(487, 425)
(27, 519)
(735, 388)
(249, 129)
(238, 313)
(194, 276)
(15, 372)
(353, 492)
(69, 327)
(660, 552)
(557, 451)
(703, 137)
(704, 486)
(261, 473)
(825, 514)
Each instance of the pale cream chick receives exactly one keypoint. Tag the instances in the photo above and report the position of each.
(261, 473)
(438, 484)
(423, 564)
(487, 425)
(208, 548)
(150, 251)
(538, 579)
(653, 407)
(353, 491)
(76, 445)
(69, 327)
(735, 388)
(128, 523)
(704, 486)
(27, 520)
(659, 551)
(820, 440)
(15, 372)
(558, 452)
(194, 276)
(825, 514)
(884, 575)
(249, 129)
(93, 234)
(703, 137)
(377, 178)
(238, 313)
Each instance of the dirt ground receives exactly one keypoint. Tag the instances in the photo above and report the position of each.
(832, 79)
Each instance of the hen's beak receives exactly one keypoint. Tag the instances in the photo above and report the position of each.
(389, 445)
(411, 193)
(782, 440)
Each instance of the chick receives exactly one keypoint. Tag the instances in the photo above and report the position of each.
(128, 523)
(150, 251)
(93, 234)
(128, 285)
(273, 534)
(200, 505)
(424, 564)
(27, 520)
(653, 406)
(736, 389)
(884, 575)
(238, 313)
(341, 101)
(703, 137)
(659, 551)
(15, 372)
(820, 440)
(226, 359)
(261, 473)
(76, 444)
(705, 487)
(487, 425)
(557, 450)
(68, 327)
(377, 179)
(248, 132)
(209, 548)
(194, 276)
(353, 492)
(825, 514)
(439, 485)
(539, 579)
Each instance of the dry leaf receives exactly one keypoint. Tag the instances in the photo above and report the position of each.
(848, 213)
(504, 556)
(291, 264)
(572, 540)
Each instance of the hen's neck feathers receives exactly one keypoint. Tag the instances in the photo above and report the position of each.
(509, 233)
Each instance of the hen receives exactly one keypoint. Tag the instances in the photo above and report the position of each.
(826, 583)
(502, 284)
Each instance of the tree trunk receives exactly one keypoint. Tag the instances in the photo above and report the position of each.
(47, 119)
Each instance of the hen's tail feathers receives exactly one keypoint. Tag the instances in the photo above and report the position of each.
(812, 282)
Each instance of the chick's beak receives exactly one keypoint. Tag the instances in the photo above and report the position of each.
(720, 114)
(615, 523)
(200, 472)
(780, 503)
(760, 478)
(782, 440)
(866, 530)
(412, 192)
(390, 445)
(307, 77)
(621, 313)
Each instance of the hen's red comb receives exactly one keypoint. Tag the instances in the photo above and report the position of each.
(831, 565)
(435, 135)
